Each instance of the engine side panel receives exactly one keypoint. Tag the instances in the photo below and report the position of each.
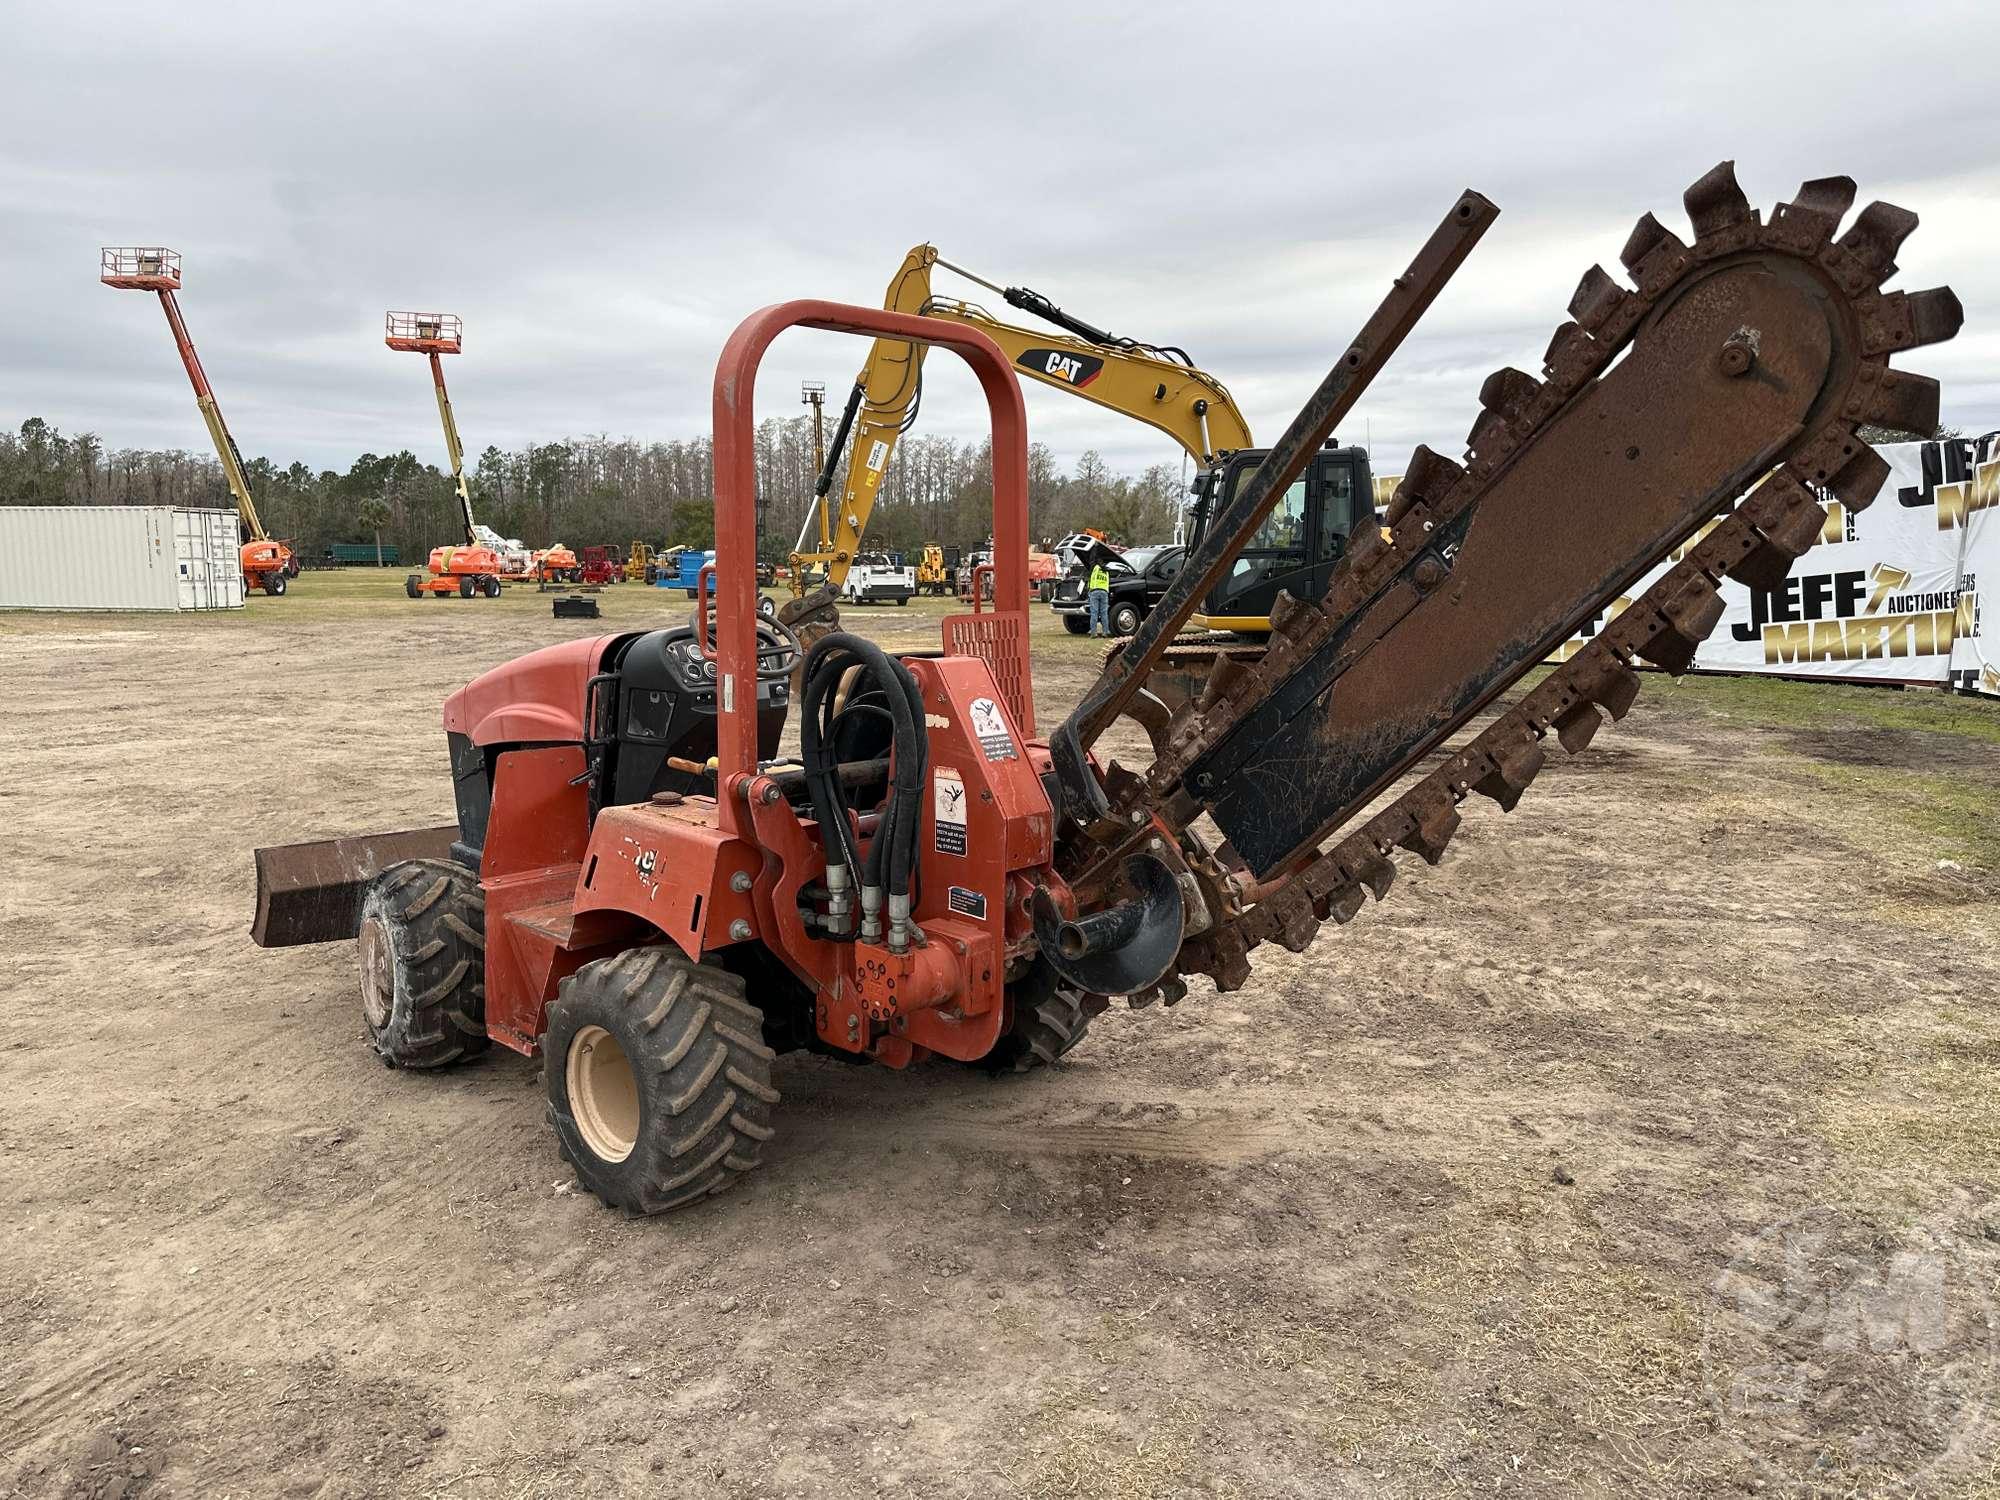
(537, 698)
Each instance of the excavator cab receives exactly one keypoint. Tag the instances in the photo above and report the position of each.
(1299, 543)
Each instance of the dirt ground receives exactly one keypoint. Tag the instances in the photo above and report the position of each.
(1643, 1147)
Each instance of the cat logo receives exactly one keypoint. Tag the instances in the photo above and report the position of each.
(1074, 370)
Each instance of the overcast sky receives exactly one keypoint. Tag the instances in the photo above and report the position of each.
(603, 190)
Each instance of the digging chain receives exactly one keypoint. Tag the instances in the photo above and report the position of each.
(1755, 544)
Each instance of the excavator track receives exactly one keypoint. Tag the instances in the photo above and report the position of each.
(1751, 354)
(1185, 665)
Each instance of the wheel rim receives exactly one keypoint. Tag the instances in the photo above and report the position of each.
(378, 974)
(603, 1094)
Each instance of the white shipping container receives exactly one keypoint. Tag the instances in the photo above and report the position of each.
(118, 557)
(209, 558)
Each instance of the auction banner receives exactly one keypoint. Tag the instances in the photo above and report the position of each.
(1881, 598)
(1974, 504)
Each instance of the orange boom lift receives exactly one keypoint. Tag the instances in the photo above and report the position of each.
(475, 567)
(267, 564)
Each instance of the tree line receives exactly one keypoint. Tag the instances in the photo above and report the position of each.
(595, 490)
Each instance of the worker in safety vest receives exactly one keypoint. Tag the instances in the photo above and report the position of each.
(1099, 586)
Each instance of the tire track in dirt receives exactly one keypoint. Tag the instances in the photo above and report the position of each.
(239, 1281)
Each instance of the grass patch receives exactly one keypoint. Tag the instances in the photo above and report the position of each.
(320, 595)
(1945, 816)
(1923, 1097)
(1943, 1117)
(1908, 1091)
(1076, 1456)
(1771, 703)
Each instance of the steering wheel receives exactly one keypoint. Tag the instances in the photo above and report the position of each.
(778, 649)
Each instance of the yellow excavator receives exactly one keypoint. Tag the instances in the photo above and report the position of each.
(1158, 384)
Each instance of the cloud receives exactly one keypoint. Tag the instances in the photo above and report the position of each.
(603, 190)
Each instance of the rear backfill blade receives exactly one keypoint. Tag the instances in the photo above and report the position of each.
(311, 893)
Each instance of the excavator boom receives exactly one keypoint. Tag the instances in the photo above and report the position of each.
(1157, 386)
(1751, 353)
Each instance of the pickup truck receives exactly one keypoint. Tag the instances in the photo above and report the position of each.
(1139, 579)
(879, 578)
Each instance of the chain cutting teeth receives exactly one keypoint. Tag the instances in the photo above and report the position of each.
(1895, 321)
(1898, 399)
(1488, 439)
(1599, 302)
(1341, 906)
(1683, 623)
(1605, 679)
(1515, 766)
(1432, 824)
(1715, 203)
(1807, 224)
(1509, 392)
(1577, 725)
(1572, 357)
(1425, 479)
(1291, 615)
(1371, 869)
(1876, 235)
(1783, 521)
(1858, 483)
(1650, 239)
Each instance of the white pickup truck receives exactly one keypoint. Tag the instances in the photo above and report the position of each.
(879, 578)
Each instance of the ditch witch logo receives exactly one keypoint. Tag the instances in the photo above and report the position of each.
(1075, 370)
(1857, 616)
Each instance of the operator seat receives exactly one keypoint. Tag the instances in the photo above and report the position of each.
(665, 707)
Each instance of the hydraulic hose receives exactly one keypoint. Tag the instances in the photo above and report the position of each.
(897, 837)
(823, 674)
(903, 854)
(890, 860)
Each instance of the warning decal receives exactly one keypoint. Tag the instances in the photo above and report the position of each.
(989, 727)
(948, 804)
(966, 903)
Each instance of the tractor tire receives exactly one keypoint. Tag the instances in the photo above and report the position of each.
(410, 586)
(1076, 624)
(1049, 1020)
(658, 1079)
(490, 586)
(275, 583)
(1125, 618)
(422, 957)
